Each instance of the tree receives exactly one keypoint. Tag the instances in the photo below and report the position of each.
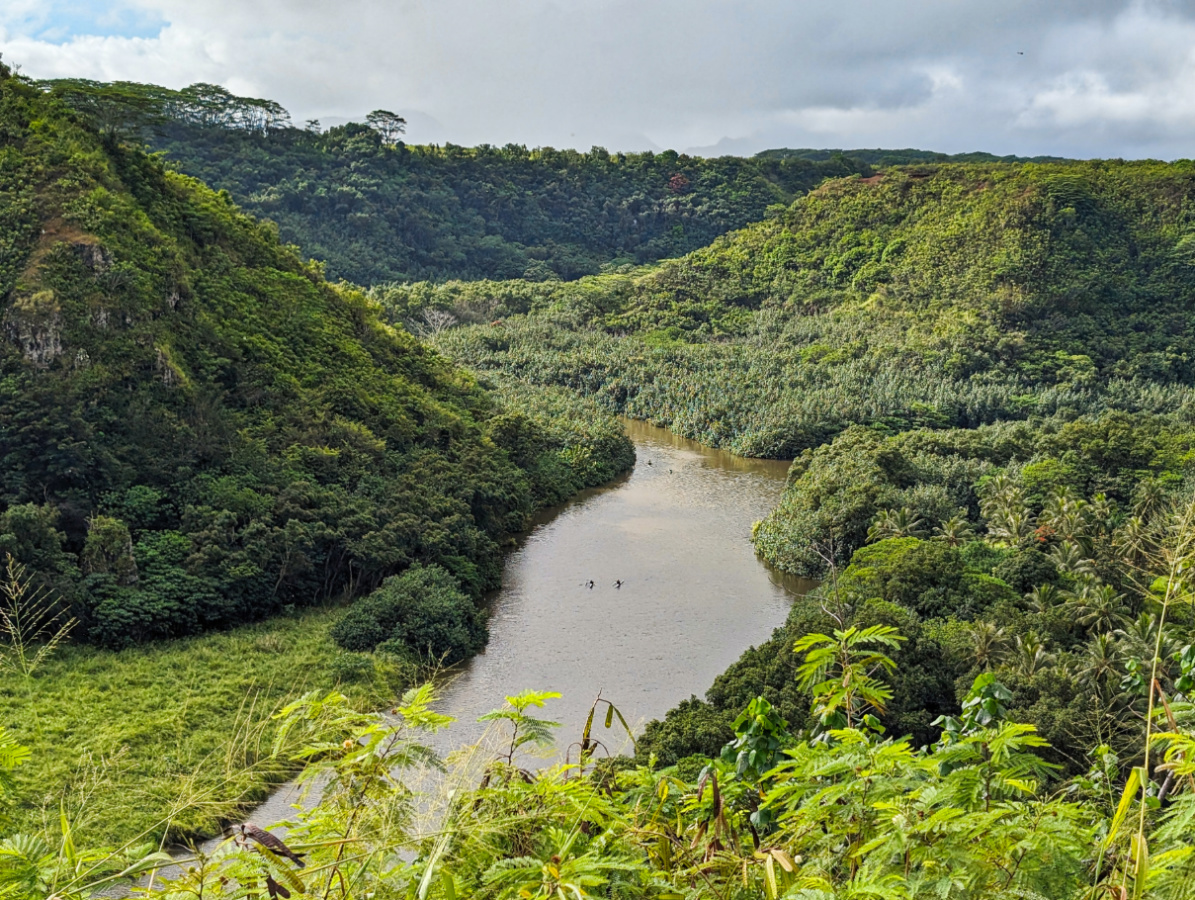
(109, 549)
(121, 109)
(389, 125)
(955, 531)
(1098, 607)
(896, 523)
(840, 669)
(525, 729)
(432, 322)
(988, 644)
(422, 612)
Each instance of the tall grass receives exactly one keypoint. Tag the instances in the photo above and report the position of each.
(168, 740)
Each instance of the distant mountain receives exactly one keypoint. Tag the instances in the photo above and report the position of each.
(376, 212)
(881, 158)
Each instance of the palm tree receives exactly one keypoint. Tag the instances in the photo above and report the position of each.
(1101, 514)
(988, 644)
(1099, 666)
(1134, 542)
(1099, 607)
(1000, 485)
(1061, 504)
(1010, 524)
(895, 523)
(954, 531)
(1069, 557)
(1149, 498)
(1139, 638)
(1043, 598)
(1029, 655)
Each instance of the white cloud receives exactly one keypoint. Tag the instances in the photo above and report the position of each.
(1075, 77)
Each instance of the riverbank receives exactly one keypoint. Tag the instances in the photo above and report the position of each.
(639, 591)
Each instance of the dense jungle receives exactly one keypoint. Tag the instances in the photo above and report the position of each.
(294, 495)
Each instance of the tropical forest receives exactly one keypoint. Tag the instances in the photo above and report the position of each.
(398, 520)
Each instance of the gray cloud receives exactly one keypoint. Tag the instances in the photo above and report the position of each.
(1089, 78)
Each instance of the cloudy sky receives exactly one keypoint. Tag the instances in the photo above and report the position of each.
(1068, 77)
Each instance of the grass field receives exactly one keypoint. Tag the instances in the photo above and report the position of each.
(169, 740)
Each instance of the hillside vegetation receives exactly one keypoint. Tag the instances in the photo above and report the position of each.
(374, 209)
(942, 296)
(982, 369)
(984, 373)
(197, 430)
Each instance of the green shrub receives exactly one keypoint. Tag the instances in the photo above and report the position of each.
(422, 612)
(359, 631)
(691, 727)
(1026, 570)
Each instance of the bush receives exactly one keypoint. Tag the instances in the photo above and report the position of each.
(422, 612)
(359, 631)
(927, 577)
(691, 727)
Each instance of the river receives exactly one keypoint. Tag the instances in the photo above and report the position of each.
(676, 532)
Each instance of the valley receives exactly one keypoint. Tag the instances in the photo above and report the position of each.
(269, 510)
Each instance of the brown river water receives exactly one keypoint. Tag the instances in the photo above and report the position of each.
(676, 531)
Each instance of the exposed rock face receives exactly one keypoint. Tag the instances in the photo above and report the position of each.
(94, 256)
(34, 322)
(168, 370)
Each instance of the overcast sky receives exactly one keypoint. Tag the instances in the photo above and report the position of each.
(1067, 77)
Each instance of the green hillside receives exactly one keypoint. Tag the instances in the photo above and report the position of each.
(939, 296)
(981, 368)
(196, 429)
(883, 158)
(375, 209)
(984, 372)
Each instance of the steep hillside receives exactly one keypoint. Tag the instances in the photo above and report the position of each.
(196, 429)
(943, 295)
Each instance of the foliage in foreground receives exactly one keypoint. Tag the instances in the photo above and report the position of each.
(829, 813)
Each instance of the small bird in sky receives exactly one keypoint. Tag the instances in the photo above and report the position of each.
(618, 583)
(250, 832)
(589, 584)
(1020, 53)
